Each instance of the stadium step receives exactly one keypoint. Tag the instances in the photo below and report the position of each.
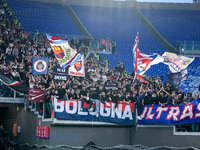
(81, 28)
(33, 107)
(153, 31)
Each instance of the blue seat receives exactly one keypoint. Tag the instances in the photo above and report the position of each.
(46, 17)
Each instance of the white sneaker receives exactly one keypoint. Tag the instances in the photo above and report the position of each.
(138, 117)
(97, 115)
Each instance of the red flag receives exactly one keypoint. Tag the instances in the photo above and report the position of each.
(36, 95)
(136, 55)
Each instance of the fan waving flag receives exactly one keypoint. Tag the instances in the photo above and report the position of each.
(14, 85)
(143, 62)
(65, 55)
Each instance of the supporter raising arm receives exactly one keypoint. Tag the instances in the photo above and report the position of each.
(162, 98)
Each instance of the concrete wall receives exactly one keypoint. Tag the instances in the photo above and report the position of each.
(64, 134)
(81, 135)
(159, 136)
(104, 136)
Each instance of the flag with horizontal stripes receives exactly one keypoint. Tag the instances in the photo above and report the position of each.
(14, 85)
(65, 55)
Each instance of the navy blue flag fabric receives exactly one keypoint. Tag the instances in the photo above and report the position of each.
(40, 66)
(171, 114)
(175, 79)
(124, 114)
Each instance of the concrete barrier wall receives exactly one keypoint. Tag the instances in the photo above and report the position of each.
(105, 136)
(72, 135)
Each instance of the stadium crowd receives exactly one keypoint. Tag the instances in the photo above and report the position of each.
(100, 83)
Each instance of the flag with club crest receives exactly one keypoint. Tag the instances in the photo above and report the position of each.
(65, 55)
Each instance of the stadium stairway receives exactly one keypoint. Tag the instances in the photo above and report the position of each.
(78, 24)
(46, 17)
(153, 31)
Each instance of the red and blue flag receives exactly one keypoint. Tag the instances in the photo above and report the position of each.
(65, 55)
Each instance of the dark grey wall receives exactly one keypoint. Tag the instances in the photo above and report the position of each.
(100, 135)
(158, 136)
(69, 135)
(26, 119)
(80, 136)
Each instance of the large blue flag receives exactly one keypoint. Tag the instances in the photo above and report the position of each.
(171, 114)
(40, 66)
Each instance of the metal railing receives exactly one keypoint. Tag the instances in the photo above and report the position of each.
(188, 47)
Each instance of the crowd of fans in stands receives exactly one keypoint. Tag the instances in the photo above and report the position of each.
(17, 49)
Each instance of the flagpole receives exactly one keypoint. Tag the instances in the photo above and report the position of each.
(136, 56)
(136, 62)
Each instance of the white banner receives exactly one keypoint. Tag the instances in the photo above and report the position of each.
(175, 62)
(78, 69)
(65, 55)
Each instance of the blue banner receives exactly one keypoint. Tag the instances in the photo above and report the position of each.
(124, 114)
(171, 114)
(40, 66)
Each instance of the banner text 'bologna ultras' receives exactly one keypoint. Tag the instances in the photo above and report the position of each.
(71, 110)
(171, 114)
